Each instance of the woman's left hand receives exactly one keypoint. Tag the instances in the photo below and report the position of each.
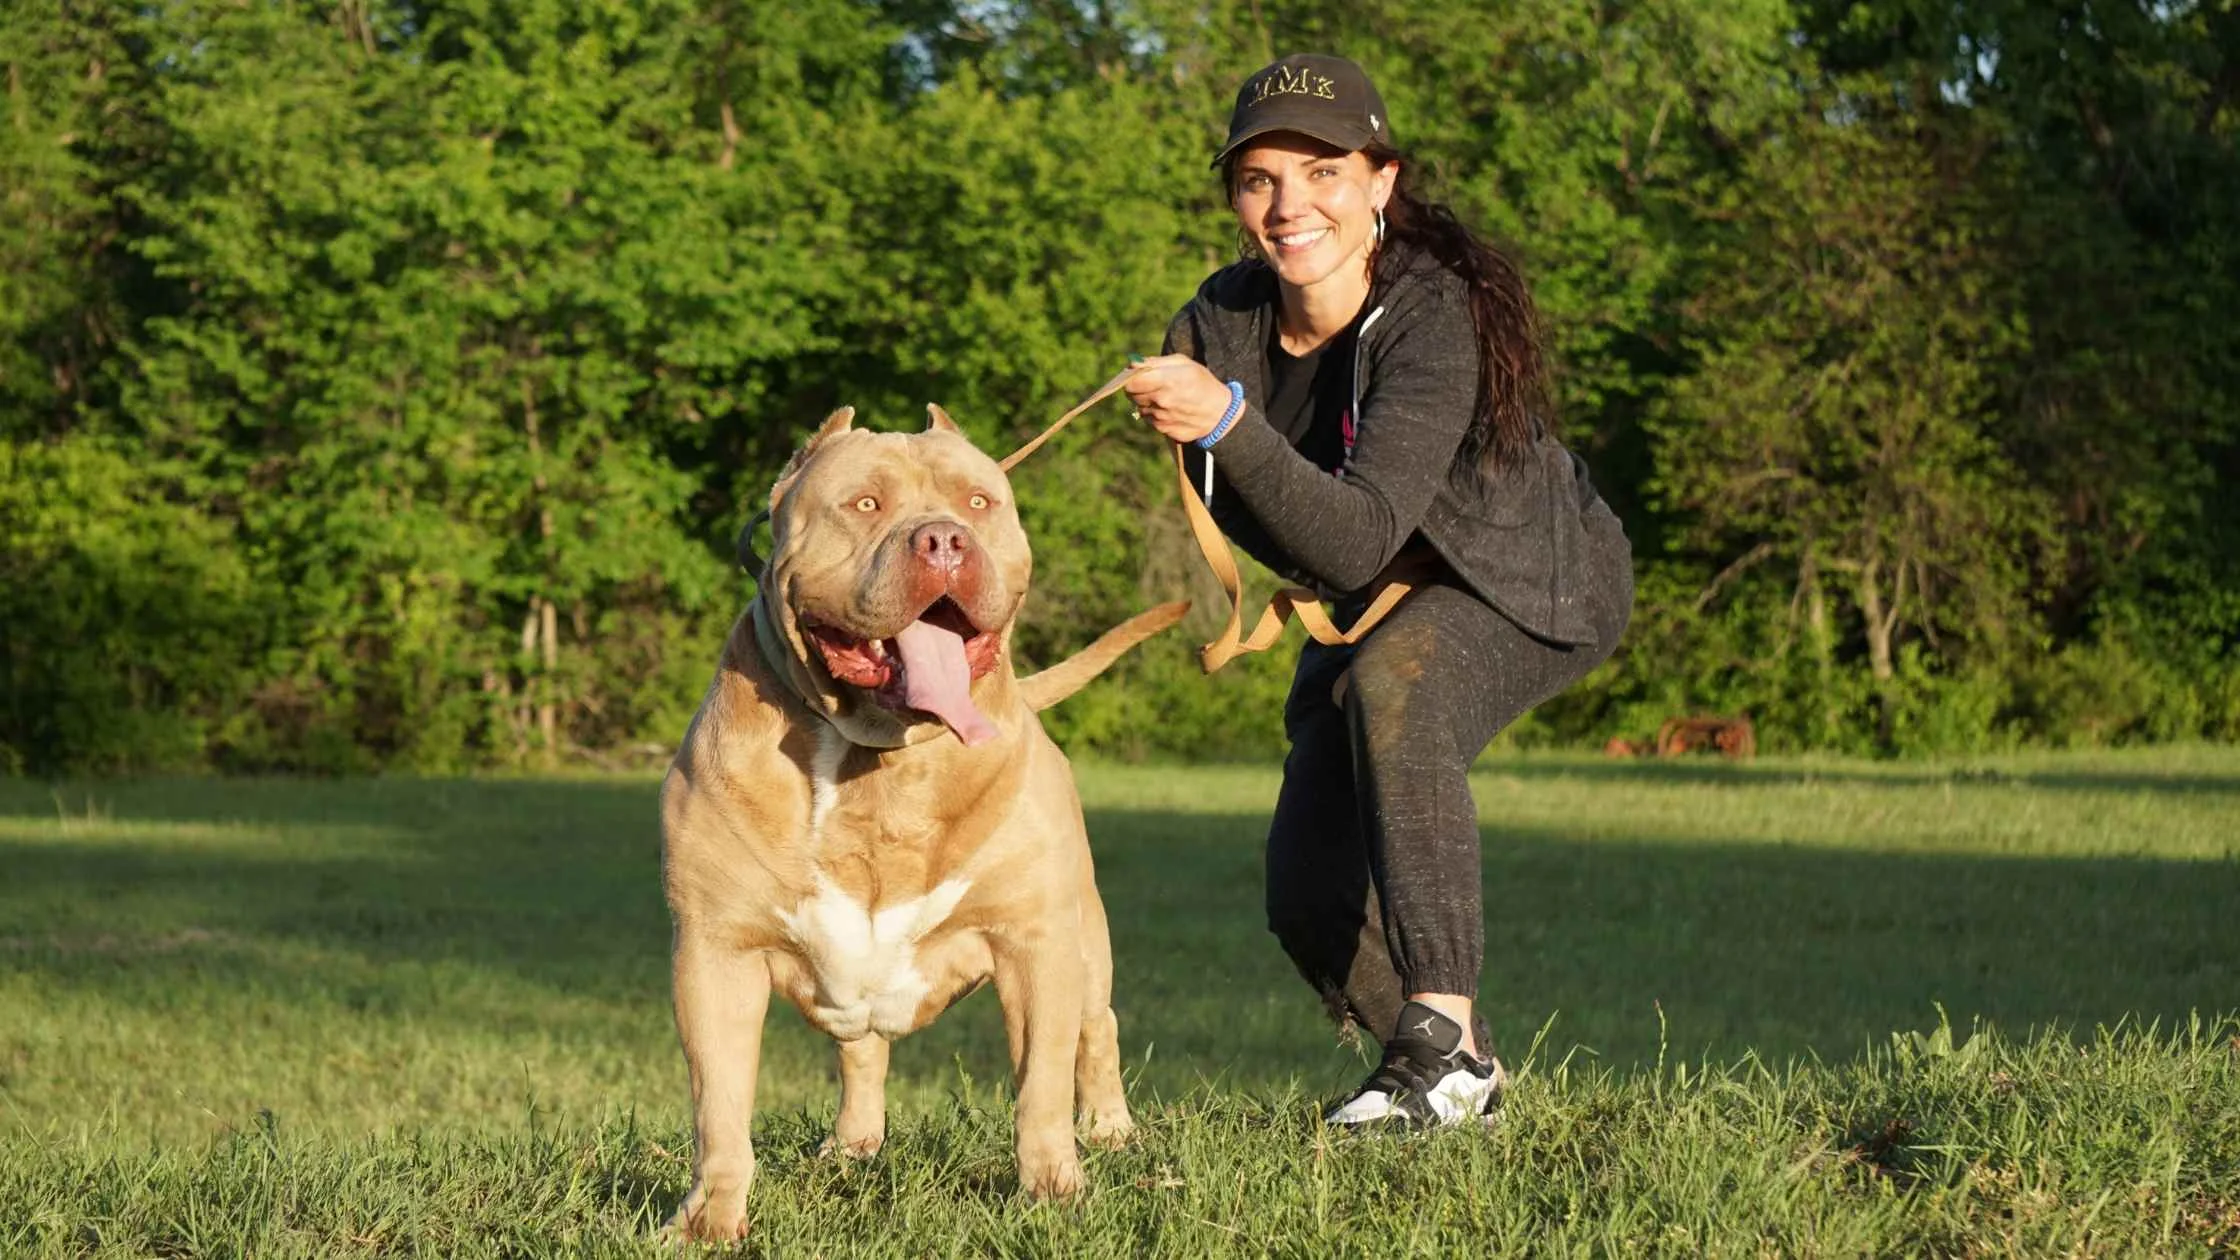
(1178, 396)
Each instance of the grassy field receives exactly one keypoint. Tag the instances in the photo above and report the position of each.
(397, 1016)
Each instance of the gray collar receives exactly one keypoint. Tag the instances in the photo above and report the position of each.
(765, 642)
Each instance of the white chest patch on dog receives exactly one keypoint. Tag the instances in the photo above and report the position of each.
(866, 961)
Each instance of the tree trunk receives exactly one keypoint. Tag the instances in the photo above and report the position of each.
(548, 712)
(1823, 647)
(542, 630)
(1878, 624)
(1881, 625)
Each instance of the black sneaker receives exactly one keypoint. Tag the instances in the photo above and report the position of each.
(1425, 1080)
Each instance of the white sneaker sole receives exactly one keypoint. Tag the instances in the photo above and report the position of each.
(1459, 1096)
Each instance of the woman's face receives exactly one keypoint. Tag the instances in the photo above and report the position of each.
(1311, 208)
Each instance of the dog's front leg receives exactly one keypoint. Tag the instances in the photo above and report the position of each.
(1039, 985)
(862, 1126)
(722, 994)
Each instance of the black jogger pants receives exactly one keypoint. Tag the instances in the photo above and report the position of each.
(1373, 867)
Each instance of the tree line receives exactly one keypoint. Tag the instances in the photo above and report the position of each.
(382, 384)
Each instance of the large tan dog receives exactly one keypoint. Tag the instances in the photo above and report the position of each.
(867, 817)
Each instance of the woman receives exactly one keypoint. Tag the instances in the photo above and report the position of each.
(1363, 397)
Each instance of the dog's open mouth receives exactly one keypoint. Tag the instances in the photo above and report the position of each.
(928, 666)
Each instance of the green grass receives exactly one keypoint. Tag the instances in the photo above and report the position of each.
(397, 1016)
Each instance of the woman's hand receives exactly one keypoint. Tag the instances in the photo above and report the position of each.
(1178, 396)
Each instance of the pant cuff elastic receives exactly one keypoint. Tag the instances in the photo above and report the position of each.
(1440, 978)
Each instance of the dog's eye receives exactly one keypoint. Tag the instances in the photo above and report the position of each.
(867, 504)
(979, 503)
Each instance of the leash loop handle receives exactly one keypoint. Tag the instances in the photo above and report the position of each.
(1289, 602)
(1286, 603)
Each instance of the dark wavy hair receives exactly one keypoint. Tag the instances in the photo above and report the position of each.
(1514, 390)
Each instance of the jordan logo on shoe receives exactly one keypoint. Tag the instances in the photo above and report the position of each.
(1425, 1028)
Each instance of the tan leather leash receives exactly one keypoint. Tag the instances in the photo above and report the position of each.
(1286, 603)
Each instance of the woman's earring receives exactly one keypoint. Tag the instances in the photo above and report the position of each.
(1380, 227)
(1247, 248)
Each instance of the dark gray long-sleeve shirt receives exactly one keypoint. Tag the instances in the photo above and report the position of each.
(1516, 539)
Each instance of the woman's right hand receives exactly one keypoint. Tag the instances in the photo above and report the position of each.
(1178, 396)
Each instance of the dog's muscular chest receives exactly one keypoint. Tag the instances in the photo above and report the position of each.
(883, 893)
(866, 964)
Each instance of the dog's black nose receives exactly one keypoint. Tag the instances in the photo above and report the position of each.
(943, 544)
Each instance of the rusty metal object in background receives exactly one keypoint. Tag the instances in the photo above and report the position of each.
(1732, 738)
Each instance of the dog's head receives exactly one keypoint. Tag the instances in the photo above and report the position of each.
(897, 567)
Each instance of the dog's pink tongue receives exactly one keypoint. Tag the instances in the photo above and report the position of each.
(936, 680)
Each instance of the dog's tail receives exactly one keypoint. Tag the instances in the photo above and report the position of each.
(1073, 673)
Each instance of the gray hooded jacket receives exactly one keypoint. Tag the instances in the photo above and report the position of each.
(1518, 539)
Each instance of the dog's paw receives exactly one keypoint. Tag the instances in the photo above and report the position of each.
(1051, 1177)
(850, 1148)
(709, 1215)
(1107, 1132)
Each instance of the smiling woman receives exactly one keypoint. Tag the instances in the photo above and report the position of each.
(1369, 379)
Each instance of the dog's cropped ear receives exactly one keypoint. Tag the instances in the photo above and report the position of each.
(834, 425)
(936, 418)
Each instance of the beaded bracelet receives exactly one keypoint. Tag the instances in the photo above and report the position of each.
(1228, 418)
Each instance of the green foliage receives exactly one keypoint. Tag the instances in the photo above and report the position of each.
(65, 116)
(130, 627)
(1835, 424)
(462, 338)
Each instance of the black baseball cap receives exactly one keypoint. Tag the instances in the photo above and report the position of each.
(1328, 98)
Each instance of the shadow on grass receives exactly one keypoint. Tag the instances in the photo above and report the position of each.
(556, 882)
(1707, 769)
(550, 890)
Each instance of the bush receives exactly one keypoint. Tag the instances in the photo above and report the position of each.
(129, 627)
(1938, 711)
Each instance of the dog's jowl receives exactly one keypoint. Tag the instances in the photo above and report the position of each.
(867, 819)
